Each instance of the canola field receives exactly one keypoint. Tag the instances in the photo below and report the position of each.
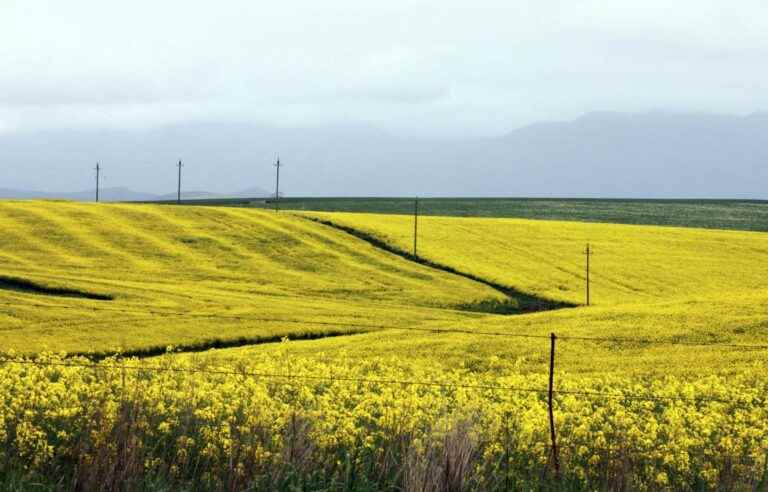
(200, 277)
(631, 264)
(389, 375)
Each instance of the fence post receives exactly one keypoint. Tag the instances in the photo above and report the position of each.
(506, 452)
(555, 457)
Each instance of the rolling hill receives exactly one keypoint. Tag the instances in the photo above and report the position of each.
(383, 360)
(198, 277)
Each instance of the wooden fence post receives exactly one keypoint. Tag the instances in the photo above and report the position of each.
(555, 457)
(506, 452)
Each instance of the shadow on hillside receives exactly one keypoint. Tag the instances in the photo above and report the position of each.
(517, 302)
(31, 287)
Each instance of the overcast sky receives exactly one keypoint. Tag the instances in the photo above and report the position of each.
(431, 68)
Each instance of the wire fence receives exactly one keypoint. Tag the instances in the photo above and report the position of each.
(381, 381)
(438, 331)
(624, 340)
(745, 403)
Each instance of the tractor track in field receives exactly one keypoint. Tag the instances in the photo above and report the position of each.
(524, 302)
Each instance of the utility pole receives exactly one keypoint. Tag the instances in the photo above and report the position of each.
(98, 169)
(415, 227)
(588, 252)
(178, 189)
(277, 185)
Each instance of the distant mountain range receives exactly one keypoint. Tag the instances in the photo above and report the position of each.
(648, 155)
(118, 194)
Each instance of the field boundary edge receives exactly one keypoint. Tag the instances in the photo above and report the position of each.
(527, 303)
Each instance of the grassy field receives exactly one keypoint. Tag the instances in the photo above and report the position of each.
(659, 384)
(751, 215)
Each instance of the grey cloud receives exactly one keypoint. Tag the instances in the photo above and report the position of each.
(428, 67)
(94, 90)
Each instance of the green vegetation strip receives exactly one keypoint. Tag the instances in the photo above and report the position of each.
(746, 215)
(204, 345)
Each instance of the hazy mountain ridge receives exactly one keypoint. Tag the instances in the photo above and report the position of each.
(120, 194)
(601, 154)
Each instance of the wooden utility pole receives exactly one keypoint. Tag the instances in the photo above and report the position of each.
(178, 189)
(415, 227)
(588, 252)
(555, 457)
(98, 169)
(277, 185)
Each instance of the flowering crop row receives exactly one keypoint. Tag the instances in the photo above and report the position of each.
(385, 424)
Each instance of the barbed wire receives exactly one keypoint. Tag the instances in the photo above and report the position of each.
(398, 382)
(644, 341)
(268, 375)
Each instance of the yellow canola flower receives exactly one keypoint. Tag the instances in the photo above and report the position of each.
(228, 424)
